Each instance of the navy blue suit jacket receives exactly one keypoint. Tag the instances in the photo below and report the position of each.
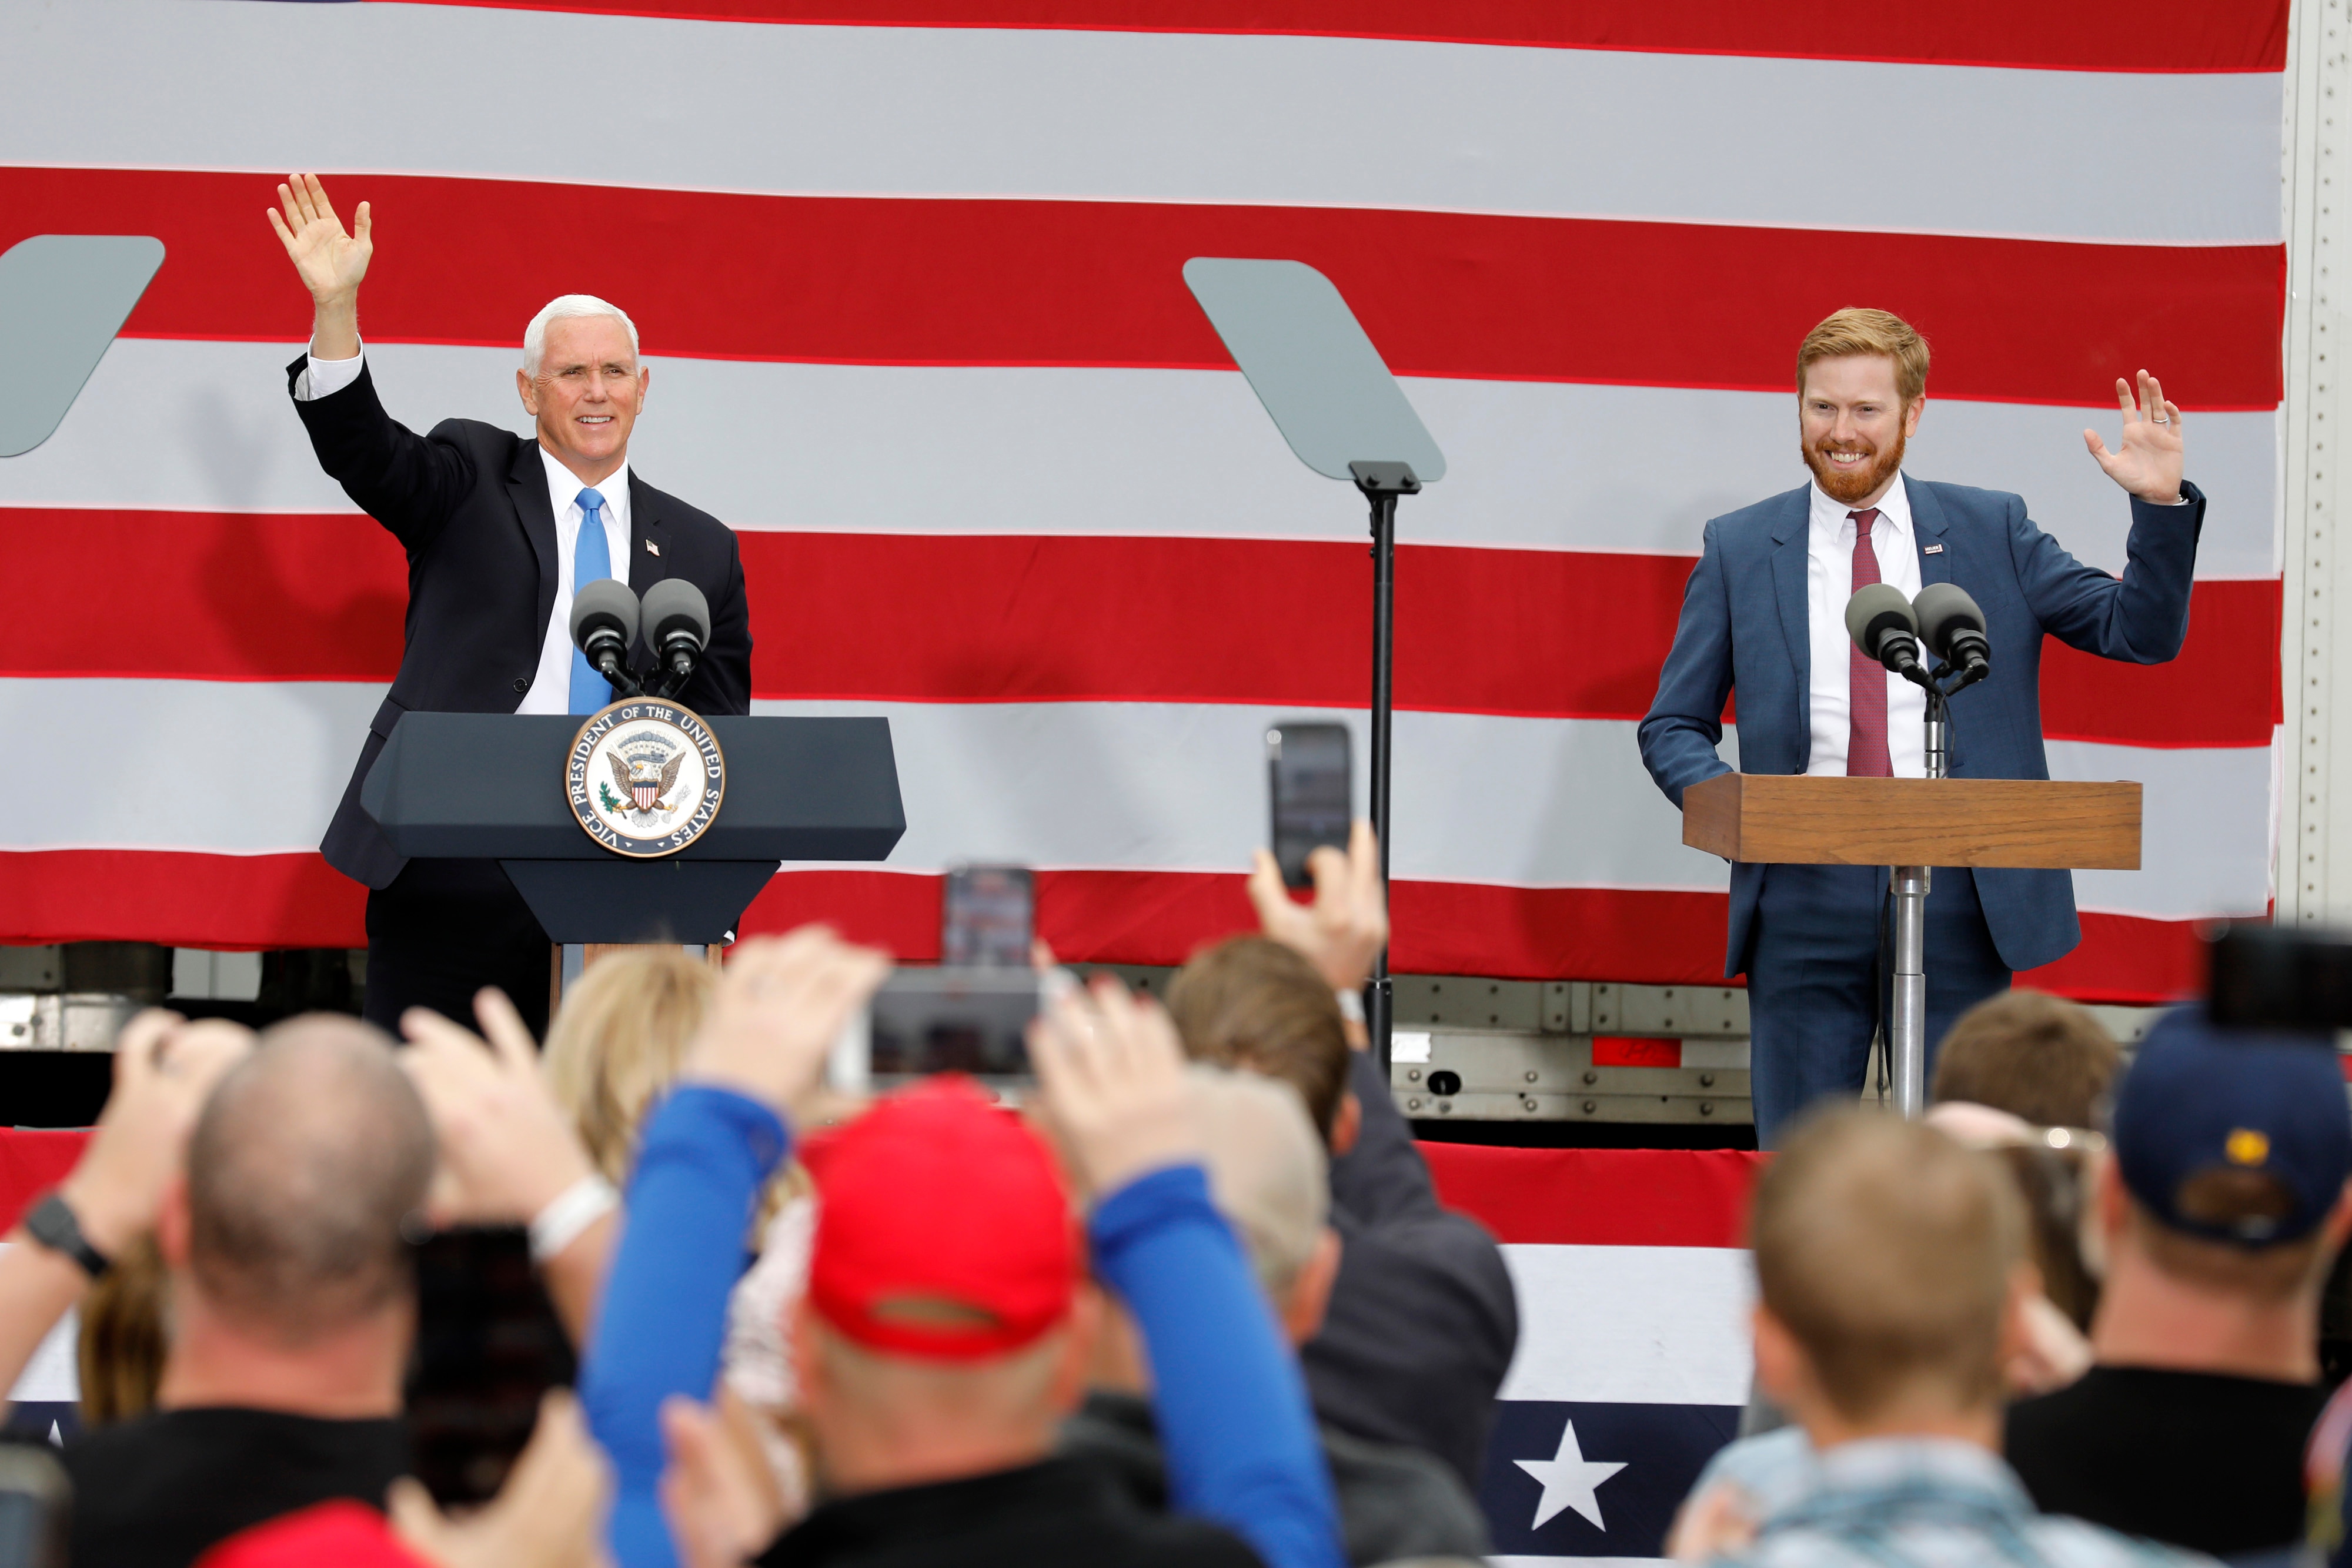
(1744, 626)
(470, 504)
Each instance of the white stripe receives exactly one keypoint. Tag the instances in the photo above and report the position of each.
(890, 449)
(2206, 829)
(1147, 117)
(51, 1375)
(250, 768)
(1630, 1326)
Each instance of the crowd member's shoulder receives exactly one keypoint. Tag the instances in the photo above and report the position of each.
(1397, 1502)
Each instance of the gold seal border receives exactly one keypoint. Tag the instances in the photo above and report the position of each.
(589, 722)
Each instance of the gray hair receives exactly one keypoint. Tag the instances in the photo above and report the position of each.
(1266, 1169)
(303, 1167)
(562, 307)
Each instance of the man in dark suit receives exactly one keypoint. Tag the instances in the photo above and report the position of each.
(498, 530)
(1763, 613)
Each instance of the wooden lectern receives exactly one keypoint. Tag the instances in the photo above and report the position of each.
(1910, 825)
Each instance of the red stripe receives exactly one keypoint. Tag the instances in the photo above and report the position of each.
(1101, 916)
(1599, 1197)
(1539, 633)
(1098, 283)
(1637, 936)
(220, 901)
(2164, 36)
(33, 1160)
(2223, 689)
(1606, 1198)
(2128, 961)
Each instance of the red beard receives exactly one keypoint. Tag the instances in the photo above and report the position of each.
(1852, 485)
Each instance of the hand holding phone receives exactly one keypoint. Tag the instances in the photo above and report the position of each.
(1343, 930)
(1311, 788)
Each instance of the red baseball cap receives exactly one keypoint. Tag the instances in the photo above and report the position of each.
(349, 1534)
(943, 1229)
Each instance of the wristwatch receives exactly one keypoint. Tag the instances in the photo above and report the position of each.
(51, 1222)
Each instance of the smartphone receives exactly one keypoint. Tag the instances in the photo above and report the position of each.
(35, 1507)
(489, 1345)
(1312, 789)
(988, 918)
(970, 1021)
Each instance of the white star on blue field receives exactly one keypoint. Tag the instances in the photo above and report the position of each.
(1570, 1480)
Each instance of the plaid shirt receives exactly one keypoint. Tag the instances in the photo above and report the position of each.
(1924, 1502)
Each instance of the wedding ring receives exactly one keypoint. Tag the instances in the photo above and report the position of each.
(2163, 418)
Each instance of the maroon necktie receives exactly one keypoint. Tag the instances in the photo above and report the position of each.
(1865, 742)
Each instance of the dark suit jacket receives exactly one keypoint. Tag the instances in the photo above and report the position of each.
(469, 504)
(1422, 1320)
(1745, 626)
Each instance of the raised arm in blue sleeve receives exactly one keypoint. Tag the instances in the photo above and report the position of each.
(663, 1321)
(1235, 1424)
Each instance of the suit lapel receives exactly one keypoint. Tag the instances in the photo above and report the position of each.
(648, 562)
(527, 483)
(1790, 539)
(1928, 526)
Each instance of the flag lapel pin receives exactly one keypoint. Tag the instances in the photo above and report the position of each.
(1931, 550)
(653, 549)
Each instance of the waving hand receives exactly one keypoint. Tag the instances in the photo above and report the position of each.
(2149, 463)
(332, 262)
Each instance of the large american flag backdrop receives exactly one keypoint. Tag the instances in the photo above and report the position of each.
(907, 273)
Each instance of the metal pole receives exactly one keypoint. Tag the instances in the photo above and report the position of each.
(1907, 1021)
(1379, 1016)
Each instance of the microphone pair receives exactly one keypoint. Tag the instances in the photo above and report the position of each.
(1891, 629)
(674, 615)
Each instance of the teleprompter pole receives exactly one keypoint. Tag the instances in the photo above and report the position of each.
(1382, 484)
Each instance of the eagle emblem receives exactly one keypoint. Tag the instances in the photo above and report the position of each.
(646, 779)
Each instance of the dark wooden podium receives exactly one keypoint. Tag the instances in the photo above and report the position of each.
(1911, 825)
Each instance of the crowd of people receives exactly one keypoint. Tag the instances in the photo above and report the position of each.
(1192, 1301)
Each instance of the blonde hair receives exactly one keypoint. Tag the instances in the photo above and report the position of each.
(1858, 331)
(121, 1349)
(619, 1042)
(1886, 1249)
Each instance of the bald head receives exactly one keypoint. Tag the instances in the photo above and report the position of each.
(1266, 1169)
(305, 1162)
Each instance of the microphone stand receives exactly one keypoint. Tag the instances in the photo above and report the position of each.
(1906, 1023)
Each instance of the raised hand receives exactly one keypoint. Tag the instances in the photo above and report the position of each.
(1112, 1072)
(1348, 924)
(507, 1148)
(779, 1005)
(2148, 462)
(164, 1067)
(330, 261)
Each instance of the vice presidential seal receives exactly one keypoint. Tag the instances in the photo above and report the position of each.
(645, 778)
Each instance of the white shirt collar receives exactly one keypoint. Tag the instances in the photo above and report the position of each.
(1829, 515)
(564, 487)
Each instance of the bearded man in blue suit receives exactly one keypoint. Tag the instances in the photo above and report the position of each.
(1764, 615)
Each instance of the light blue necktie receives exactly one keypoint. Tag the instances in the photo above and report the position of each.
(591, 558)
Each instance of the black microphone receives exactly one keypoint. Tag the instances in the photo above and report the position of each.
(1879, 620)
(678, 627)
(1954, 630)
(604, 624)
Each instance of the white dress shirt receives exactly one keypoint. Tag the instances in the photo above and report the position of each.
(1829, 583)
(550, 683)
